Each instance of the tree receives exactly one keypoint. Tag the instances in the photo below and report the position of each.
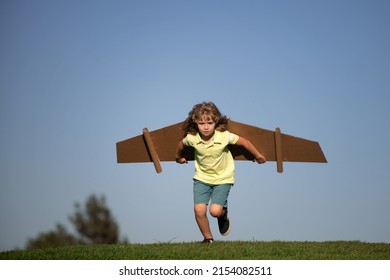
(95, 224)
(55, 238)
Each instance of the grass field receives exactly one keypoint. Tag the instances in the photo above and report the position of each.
(232, 250)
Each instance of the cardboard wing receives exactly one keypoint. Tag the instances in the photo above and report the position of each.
(160, 145)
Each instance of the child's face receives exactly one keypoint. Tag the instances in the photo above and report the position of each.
(206, 126)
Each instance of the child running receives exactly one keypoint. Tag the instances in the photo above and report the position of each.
(207, 132)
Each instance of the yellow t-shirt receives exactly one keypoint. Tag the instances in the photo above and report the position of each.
(214, 163)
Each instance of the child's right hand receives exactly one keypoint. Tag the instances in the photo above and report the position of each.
(181, 160)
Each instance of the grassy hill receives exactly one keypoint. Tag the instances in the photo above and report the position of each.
(232, 250)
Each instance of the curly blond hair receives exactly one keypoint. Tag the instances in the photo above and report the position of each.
(207, 110)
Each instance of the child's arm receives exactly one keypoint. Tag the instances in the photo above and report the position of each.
(179, 153)
(252, 149)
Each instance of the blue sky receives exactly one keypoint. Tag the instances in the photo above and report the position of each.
(78, 76)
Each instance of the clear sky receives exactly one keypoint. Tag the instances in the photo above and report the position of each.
(78, 76)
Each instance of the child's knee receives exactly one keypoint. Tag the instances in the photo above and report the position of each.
(216, 210)
(200, 209)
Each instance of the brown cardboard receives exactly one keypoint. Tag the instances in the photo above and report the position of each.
(160, 145)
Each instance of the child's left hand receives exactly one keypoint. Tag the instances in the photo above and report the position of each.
(260, 159)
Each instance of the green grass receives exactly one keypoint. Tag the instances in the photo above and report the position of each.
(232, 250)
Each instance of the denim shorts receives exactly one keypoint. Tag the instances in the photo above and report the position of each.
(217, 194)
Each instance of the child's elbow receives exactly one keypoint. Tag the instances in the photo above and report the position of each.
(244, 142)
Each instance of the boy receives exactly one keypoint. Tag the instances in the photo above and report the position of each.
(207, 131)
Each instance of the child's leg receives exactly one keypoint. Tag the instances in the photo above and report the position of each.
(219, 200)
(202, 194)
(218, 207)
(202, 220)
(216, 210)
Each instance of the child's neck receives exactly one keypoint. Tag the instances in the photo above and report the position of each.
(207, 139)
